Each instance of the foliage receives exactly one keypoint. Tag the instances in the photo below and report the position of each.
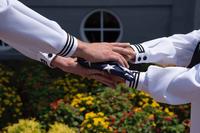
(146, 120)
(98, 113)
(39, 88)
(95, 122)
(10, 101)
(33, 81)
(61, 128)
(61, 112)
(33, 126)
(24, 126)
(83, 104)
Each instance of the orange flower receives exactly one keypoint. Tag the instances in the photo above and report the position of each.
(54, 105)
(151, 117)
(168, 118)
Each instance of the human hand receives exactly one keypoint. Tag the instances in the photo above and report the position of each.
(124, 49)
(70, 65)
(118, 73)
(101, 52)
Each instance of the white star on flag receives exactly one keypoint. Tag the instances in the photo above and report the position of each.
(109, 67)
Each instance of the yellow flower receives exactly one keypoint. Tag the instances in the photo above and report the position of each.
(89, 103)
(101, 114)
(75, 102)
(155, 104)
(151, 117)
(153, 124)
(166, 110)
(82, 109)
(105, 124)
(137, 109)
(110, 129)
(96, 121)
(171, 113)
(89, 125)
(90, 115)
(146, 100)
(140, 103)
(146, 104)
(79, 95)
(133, 95)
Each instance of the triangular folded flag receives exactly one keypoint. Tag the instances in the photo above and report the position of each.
(131, 77)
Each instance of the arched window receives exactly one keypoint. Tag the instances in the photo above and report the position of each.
(101, 26)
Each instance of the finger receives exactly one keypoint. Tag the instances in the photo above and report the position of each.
(116, 57)
(123, 60)
(124, 51)
(123, 45)
(127, 54)
(117, 79)
(111, 80)
(103, 80)
(103, 76)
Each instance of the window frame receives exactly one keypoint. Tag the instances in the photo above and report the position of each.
(101, 29)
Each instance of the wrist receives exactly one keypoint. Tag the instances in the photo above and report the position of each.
(65, 64)
(81, 48)
(56, 62)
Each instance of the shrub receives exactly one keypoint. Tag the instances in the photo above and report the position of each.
(39, 86)
(63, 113)
(25, 126)
(71, 100)
(111, 101)
(60, 128)
(10, 105)
(32, 81)
(33, 126)
(95, 122)
(146, 120)
(10, 101)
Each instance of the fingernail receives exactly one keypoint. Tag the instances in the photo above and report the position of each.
(128, 66)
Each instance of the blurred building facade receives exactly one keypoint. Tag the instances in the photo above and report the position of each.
(116, 20)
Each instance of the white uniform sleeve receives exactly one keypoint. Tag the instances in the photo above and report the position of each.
(176, 50)
(172, 85)
(32, 34)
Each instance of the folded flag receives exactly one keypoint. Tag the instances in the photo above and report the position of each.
(131, 77)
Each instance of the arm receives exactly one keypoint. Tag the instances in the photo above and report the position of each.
(34, 35)
(172, 85)
(71, 65)
(174, 50)
(177, 49)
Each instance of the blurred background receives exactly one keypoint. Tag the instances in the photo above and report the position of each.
(39, 99)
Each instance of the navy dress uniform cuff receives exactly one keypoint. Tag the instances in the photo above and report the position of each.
(46, 58)
(141, 54)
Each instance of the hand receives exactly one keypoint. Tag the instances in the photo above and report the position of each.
(70, 65)
(100, 52)
(124, 49)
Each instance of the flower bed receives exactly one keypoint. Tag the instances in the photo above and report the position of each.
(84, 105)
